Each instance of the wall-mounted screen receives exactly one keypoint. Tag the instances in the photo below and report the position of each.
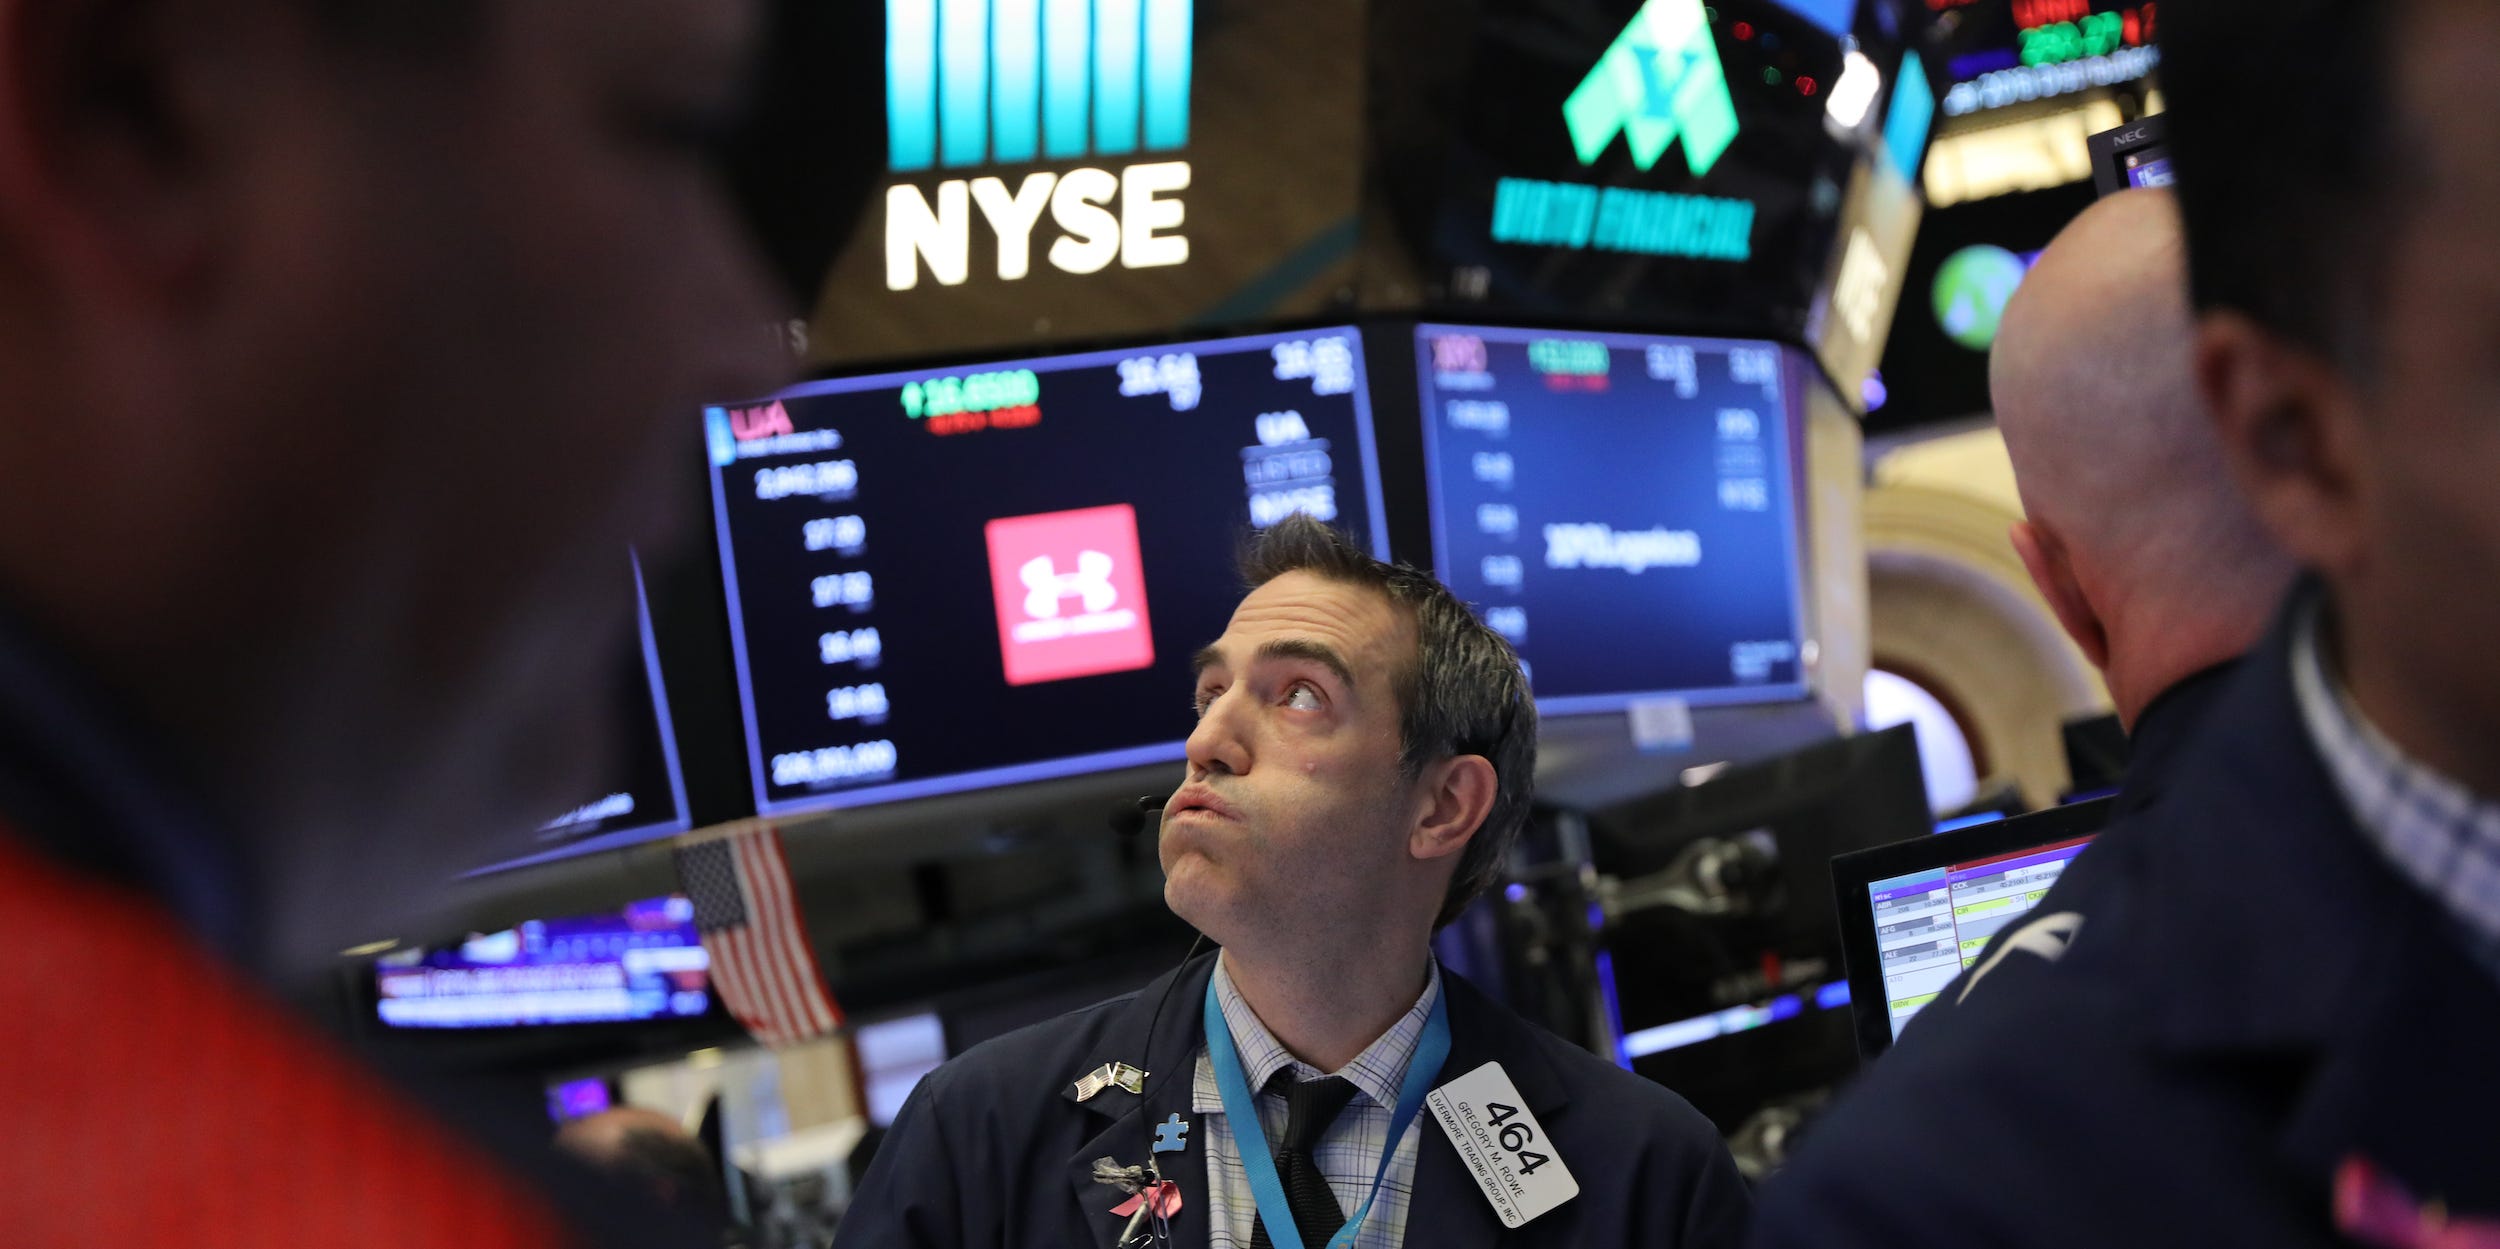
(964, 577)
(1622, 508)
(642, 963)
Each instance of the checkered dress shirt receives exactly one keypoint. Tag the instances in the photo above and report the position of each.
(2436, 832)
(1347, 1155)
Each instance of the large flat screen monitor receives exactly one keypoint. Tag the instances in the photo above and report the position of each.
(645, 962)
(965, 577)
(1622, 508)
(1915, 914)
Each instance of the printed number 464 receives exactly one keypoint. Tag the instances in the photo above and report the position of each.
(1516, 1137)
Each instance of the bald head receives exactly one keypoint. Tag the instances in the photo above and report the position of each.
(2134, 531)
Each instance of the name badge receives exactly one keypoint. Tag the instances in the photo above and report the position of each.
(1503, 1145)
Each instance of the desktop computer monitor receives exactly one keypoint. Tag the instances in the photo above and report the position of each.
(1915, 914)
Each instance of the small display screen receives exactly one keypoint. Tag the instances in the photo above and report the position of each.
(2148, 168)
(998, 573)
(1621, 508)
(893, 1056)
(578, 1099)
(1930, 925)
(644, 962)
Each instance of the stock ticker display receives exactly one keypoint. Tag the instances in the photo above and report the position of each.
(957, 578)
(1621, 508)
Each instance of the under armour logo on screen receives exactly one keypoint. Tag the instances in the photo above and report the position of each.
(1091, 582)
(1086, 620)
(1659, 80)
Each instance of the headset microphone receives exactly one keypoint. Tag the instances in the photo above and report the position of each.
(1128, 819)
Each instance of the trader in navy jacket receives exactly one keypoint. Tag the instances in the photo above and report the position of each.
(2265, 1011)
(1361, 760)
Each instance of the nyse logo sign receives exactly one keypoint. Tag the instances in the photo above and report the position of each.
(1071, 594)
(973, 83)
(1659, 80)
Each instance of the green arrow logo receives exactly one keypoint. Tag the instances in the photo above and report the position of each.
(1660, 78)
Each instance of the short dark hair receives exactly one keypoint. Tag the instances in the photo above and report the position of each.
(1462, 694)
(2289, 167)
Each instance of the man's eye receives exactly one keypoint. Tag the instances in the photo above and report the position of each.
(1206, 698)
(1303, 698)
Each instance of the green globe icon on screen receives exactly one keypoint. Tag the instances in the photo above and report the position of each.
(1971, 289)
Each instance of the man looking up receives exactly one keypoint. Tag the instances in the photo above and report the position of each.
(2157, 569)
(1360, 765)
(344, 345)
(2271, 1017)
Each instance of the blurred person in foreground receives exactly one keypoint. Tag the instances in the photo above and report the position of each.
(1361, 762)
(344, 343)
(2266, 1013)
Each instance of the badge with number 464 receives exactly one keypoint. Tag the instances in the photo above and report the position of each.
(1503, 1145)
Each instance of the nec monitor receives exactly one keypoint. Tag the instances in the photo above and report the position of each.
(2133, 155)
(1914, 915)
(955, 578)
(645, 962)
(1622, 508)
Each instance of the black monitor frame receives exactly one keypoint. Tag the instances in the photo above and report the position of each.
(2111, 148)
(1852, 873)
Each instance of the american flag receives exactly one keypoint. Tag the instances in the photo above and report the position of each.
(749, 918)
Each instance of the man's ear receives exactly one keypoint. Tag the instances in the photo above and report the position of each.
(104, 109)
(1457, 794)
(2044, 557)
(2289, 426)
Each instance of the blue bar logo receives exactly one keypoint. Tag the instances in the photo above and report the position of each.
(1002, 82)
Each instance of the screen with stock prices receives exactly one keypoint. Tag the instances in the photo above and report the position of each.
(1621, 508)
(956, 578)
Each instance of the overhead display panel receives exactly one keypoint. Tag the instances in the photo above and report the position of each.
(955, 578)
(1967, 263)
(2002, 53)
(1084, 169)
(645, 962)
(1622, 508)
(1641, 163)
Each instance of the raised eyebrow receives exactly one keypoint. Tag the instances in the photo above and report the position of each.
(1314, 652)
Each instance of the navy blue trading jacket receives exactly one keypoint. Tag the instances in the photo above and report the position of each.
(2253, 999)
(993, 1151)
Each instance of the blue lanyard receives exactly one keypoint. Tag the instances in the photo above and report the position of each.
(1241, 1114)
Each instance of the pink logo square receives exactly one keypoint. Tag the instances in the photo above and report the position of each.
(1071, 594)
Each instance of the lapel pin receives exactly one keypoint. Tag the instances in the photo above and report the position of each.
(1171, 1135)
(1109, 1075)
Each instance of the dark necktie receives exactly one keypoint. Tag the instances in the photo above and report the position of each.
(1310, 1106)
